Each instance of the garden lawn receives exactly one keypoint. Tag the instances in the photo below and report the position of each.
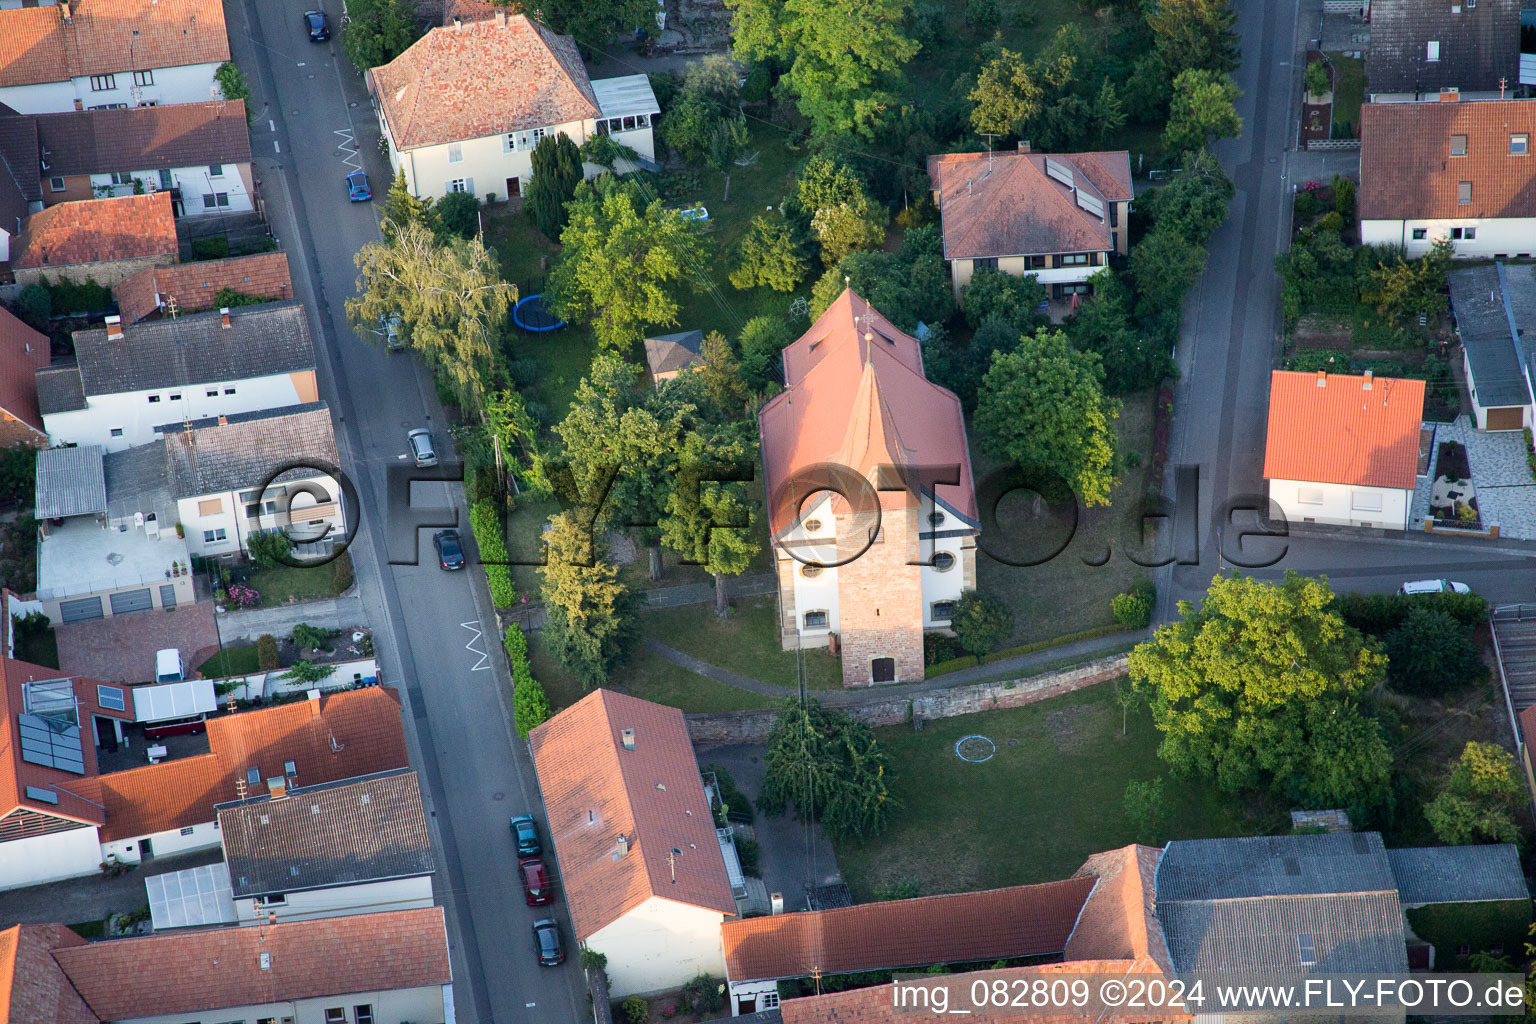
(747, 643)
(231, 661)
(1066, 595)
(1050, 796)
(645, 675)
(1348, 91)
(284, 584)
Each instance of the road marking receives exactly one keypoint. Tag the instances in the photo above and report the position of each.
(276, 147)
(348, 146)
(485, 661)
(271, 125)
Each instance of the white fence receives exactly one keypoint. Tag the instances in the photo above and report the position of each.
(343, 675)
(1354, 8)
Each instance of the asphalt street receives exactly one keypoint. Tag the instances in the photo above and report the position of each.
(435, 631)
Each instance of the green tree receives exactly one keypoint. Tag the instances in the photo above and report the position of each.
(36, 305)
(401, 207)
(1432, 653)
(1479, 801)
(709, 519)
(722, 377)
(688, 125)
(378, 31)
(771, 254)
(1193, 202)
(457, 215)
(618, 265)
(1400, 287)
(1109, 113)
(1254, 689)
(1203, 109)
(714, 78)
(596, 22)
(556, 173)
(1195, 34)
(830, 767)
(843, 56)
(232, 86)
(844, 228)
(908, 287)
(589, 622)
(762, 339)
(1317, 77)
(1146, 805)
(1134, 359)
(1006, 96)
(18, 474)
(1164, 265)
(452, 297)
(1042, 404)
(727, 141)
(996, 295)
(980, 622)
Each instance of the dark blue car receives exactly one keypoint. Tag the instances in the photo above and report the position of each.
(319, 27)
(527, 835)
(357, 187)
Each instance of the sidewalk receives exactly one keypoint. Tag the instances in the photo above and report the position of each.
(334, 613)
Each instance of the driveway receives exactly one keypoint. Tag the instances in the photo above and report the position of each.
(1506, 493)
(122, 649)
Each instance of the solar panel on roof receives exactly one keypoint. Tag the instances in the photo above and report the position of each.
(46, 796)
(49, 697)
(1093, 204)
(51, 743)
(1060, 172)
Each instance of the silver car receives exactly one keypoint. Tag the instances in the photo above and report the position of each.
(421, 447)
(393, 329)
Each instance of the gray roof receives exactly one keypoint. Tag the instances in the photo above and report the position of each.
(1458, 874)
(136, 482)
(1349, 934)
(206, 457)
(630, 94)
(1214, 869)
(1478, 46)
(71, 482)
(1487, 334)
(667, 352)
(59, 389)
(365, 829)
(263, 340)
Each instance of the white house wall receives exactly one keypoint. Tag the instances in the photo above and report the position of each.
(134, 414)
(344, 901)
(426, 1005)
(1479, 410)
(660, 945)
(487, 163)
(1336, 504)
(189, 83)
(942, 586)
(42, 98)
(202, 836)
(195, 183)
(49, 858)
(1512, 237)
(237, 527)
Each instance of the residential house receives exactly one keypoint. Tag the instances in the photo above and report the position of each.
(877, 569)
(50, 801)
(1420, 48)
(668, 355)
(642, 866)
(104, 240)
(177, 290)
(129, 379)
(90, 54)
(21, 193)
(1494, 306)
(23, 352)
(228, 479)
(329, 849)
(1057, 216)
(463, 109)
(332, 971)
(1343, 449)
(1456, 170)
(198, 152)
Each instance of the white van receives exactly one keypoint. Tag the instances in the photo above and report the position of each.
(1433, 587)
(168, 666)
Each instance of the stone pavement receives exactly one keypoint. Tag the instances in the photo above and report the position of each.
(333, 613)
(121, 649)
(1506, 493)
(92, 898)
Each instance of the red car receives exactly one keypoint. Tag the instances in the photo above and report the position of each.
(537, 889)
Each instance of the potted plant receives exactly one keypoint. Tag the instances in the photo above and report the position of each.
(181, 531)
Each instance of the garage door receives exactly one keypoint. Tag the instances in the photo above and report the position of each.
(132, 601)
(80, 610)
(167, 595)
(1506, 418)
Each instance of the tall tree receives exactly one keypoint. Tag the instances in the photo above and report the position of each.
(556, 173)
(595, 23)
(722, 377)
(981, 621)
(589, 620)
(1204, 109)
(401, 207)
(1108, 112)
(1432, 653)
(709, 519)
(1043, 404)
(761, 341)
(1195, 34)
(378, 31)
(830, 767)
(771, 253)
(619, 265)
(996, 295)
(1164, 264)
(1479, 801)
(1193, 202)
(1133, 358)
(1006, 96)
(1256, 687)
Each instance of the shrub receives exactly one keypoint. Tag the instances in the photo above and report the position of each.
(748, 852)
(216, 248)
(903, 890)
(341, 572)
(269, 548)
(937, 647)
(737, 807)
(980, 621)
(242, 596)
(1317, 77)
(66, 296)
(1333, 220)
(591, 959)
(36, 306)
(1305, 206)
(635, 1010)
(1344, 196)
(305, 635)
(530, 704)
(485, 521)
(1133, 609)
(1530, 453)
(225, 297)
(307, 672)
(1146, 805)
(232, 84)
(458, 213)
(1431, 653)
(704, 994)
(266, 652)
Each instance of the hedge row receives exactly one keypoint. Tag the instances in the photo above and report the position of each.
(530, 704)
(485, 521)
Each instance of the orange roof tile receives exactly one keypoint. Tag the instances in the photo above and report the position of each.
(1339, 429)
(997, 924)
(1119, 921)
(482, 78)
(859, 404)
(192, 286)
(199, 971)
(1004, 204)
(97, 231)
(110, 36)
(351, 733)
(596, 790)
(1407, 171)
(33, 990)
(23, 352)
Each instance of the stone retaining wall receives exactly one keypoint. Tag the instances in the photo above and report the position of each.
(730, 727)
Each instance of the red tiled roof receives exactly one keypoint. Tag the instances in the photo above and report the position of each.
(97, 231)
(482, 78)
(997, 924)
(1004, 204)
(161, 137)
(198, 971)
(110, 36)
(351, 733)
(1407, 171)
(23, 352)
(859, 404)
(596, 790)
(1341, 432)
(1119, 921)
(33, 990)
(193, 285)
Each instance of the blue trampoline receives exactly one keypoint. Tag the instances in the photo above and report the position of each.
(531, 314)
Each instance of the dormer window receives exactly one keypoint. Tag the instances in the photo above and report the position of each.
(1432, 51)
(1463, 192)
(1458, 145)
(1519, 144)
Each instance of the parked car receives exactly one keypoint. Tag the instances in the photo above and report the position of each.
(450, 555)
(546, 942)
(1433, 587)
(319, 27)
(393, 329)
(421, 447)
(527, 835)
(168, 666)
(536, 888)
(357, 187)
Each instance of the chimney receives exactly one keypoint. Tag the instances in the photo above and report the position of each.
(224, 316)
(1450, 94)
(501, 15)
(314, 703)
(1367, 385)
(623, 844)
(627, 738)
(458, 23)
(1023, 145)
(223, 421)
(69, 18)
(114, 328)
(1322, 378)
(277, 787)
